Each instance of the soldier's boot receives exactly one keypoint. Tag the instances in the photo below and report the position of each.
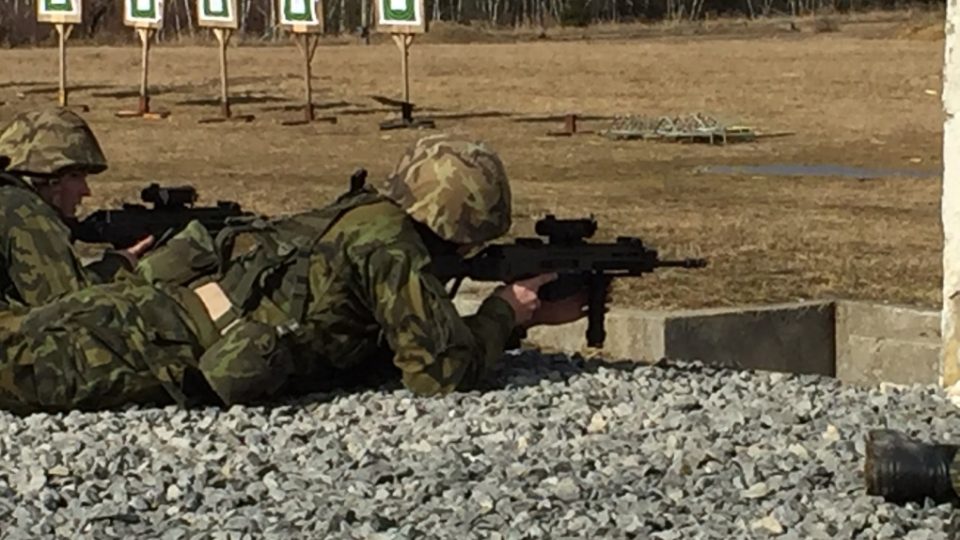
(901, 469)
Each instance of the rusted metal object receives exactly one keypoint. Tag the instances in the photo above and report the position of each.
(570, 127)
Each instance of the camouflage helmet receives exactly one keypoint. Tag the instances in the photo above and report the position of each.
(47, 142)
(456, 187)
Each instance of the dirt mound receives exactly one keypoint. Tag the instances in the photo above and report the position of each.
(921, 32)
(448, 32)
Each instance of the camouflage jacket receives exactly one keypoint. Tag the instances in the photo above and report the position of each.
(369, 305)
(372, 299)
(373, 302)
(37, 261)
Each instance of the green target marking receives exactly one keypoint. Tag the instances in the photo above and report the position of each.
(58, 6)
(59, 11)
(299, 11)
(216, 8)
(143, 9)
(399, 10)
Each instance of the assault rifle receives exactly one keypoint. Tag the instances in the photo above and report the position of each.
(579, 264)
(172, 210)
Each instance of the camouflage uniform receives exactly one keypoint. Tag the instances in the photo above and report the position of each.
(37, 261)
(314, 298)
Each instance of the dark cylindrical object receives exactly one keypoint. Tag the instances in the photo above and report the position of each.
(900, 469)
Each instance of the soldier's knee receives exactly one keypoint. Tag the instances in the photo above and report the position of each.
(247, 364)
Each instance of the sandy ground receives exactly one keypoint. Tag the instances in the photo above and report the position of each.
(854, 98)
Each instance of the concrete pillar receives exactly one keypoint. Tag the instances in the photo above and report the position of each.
(950, 202)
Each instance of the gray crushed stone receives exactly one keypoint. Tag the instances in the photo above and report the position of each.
(559, 447)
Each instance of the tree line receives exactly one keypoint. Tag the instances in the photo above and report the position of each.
(103, 19)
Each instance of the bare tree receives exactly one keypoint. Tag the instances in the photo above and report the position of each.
(259, 18)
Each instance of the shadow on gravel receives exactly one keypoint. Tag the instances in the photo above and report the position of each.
(524, 369)
(531, 368)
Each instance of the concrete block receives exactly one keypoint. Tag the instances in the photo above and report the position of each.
(874, 360)
(631, 335)
(888, 321)
(857, 342)
(887, 343)
(794, 337)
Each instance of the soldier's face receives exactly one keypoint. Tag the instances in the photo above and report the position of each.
(67, 194)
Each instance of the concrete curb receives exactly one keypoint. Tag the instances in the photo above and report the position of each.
(857, 342)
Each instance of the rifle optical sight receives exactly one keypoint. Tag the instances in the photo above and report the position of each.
(169, 196)
(564, 231)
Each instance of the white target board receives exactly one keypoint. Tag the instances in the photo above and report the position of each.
(59, 11)
(401, 16)
(302, 16)
(218, 13)
(143, 13)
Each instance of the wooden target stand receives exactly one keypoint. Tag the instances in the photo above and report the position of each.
(307, 42)
(223, 36)
(406, 120)
(143, 106)
(63, 34)
(221, 17)
(63, 16)
(305, 20)
(403, 20)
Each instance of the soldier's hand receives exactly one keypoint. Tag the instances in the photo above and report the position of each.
(563, 311)
(522, 296)
(134, 252)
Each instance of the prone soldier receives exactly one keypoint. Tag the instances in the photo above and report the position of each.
(47, 156)
(292, 305)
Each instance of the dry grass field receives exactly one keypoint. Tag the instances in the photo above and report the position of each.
(866, 95)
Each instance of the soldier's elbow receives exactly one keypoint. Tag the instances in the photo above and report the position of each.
(425, 386)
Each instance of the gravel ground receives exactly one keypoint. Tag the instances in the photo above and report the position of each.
(558, 448)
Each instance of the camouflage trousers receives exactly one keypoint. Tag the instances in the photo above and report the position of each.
(98, 348)
(133, 343)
